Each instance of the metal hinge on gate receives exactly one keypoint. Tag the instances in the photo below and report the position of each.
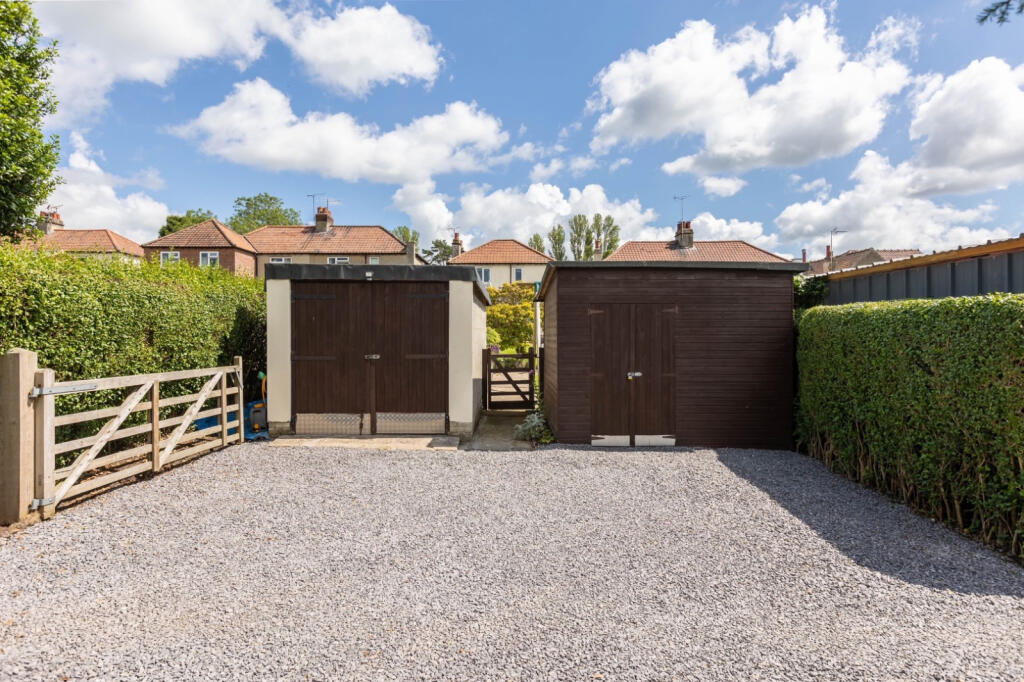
(37, 503)
(59, 390)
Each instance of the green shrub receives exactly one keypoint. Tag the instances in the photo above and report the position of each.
(534, 429)
(923, 400)
(809, 292)
(88, 317)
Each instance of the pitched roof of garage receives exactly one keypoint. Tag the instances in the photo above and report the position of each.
(727, 251)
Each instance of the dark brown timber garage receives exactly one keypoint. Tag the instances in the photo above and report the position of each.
(669, 353)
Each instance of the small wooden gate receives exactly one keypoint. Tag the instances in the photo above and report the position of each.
(510, 381)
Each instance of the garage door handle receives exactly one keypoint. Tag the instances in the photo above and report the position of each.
(632, 375)
(374, 356)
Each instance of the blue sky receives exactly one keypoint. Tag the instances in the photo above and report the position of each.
(899, 122)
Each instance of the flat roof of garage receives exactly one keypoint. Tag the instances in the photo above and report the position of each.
(378, 273)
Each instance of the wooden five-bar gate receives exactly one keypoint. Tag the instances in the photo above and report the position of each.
(155, 440)
(510, 381)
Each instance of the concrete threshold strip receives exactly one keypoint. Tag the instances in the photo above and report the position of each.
(371, 442)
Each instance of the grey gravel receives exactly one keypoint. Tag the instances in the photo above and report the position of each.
(313, 563)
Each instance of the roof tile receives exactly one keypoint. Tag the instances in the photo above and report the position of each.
(90, 241)
(338, 239)
(502, 251)
(207, 234)
(702, 251)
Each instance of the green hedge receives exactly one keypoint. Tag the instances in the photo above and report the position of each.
(87, 317)
(923, 400)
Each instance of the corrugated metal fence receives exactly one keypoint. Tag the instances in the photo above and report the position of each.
(972, 277)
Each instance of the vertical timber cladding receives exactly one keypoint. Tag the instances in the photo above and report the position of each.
(714, 347)
(369, 357)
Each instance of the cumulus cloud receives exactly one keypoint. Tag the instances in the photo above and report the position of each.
(427, 209)
(578, 165)
(784, 98)
(520, 213)
(722, 186)
(255, 125)
(358, 48)
(619, 163)
(544, 171)
(103, 43)
(881, 210)
(89, 197)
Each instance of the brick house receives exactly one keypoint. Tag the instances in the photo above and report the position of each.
(500, 261)
(85, 243)
(855, 258)
(684, 248)
(330, 244)
(209, 243)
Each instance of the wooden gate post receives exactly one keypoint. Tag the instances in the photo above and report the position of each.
(154, 420)
(487, 378)
(240, 400)
(17, 434)
(44, 459)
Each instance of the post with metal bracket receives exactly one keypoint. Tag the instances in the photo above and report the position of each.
(44, 438)
(17, 434)
(240, 399)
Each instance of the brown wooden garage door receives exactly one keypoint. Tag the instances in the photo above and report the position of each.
(370, 357)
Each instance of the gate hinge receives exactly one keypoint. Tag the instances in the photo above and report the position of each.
(44, 502)
(61, 390)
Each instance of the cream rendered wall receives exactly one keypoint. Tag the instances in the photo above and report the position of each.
(467, 336)
(501, 273)
(279, 355)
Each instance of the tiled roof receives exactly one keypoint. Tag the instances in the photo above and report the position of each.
(90, 241)
(853, 258)
(338, 239)
(207, 234)
(712, 252)
(502, 251)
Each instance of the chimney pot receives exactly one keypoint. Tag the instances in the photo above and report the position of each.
(684, 235)
(828, 251)
(803, 255)
(597, 249)
(324, 220)
(49, 221)
(456, 245)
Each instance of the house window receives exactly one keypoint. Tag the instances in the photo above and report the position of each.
(517, 275)
(209, 258)
(483, 274)
(280, 259)
(373, 260)
(169, 257)
(337, 260)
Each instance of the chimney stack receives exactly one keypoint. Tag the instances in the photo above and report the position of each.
(410, 253)
(49, 221)
(324, 220)
(803, 255)
(828, 251)
(684, 235)
(597, 249)
(456, 245)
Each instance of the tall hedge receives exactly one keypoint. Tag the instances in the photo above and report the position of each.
(89, 317)
(923, 400)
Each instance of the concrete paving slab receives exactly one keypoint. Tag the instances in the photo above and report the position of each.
(494, 432)
(371, 442)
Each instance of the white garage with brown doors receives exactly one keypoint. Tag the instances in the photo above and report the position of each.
(386, 349)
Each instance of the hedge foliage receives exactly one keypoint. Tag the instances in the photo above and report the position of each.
(923, 400)
(88, 317)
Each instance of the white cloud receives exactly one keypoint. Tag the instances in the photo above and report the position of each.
(783, 98)
(722, 186)
(255, 125)
(361, 47)
(970, 125)
(426, 209)
(706, 227)
(882, 211)
(521, 213)
(103, 43)
(578, 165)
(543, 171)
(89, 199)
(619, 163)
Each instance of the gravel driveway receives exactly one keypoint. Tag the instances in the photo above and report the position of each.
(306, 563)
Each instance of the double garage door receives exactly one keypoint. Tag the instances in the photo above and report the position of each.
(369, 357)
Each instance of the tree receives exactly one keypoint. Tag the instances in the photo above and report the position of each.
(605, 229)
(514, 324)
(536, 243)
(581, 237)
(439, 253)
(262, 209)
(406, 235)
(556, 242)
(192, 216)
(28, 160)
(1000, 11)
(512, 292)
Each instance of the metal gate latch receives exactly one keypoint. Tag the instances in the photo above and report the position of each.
(374, 356)
(632, 375)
